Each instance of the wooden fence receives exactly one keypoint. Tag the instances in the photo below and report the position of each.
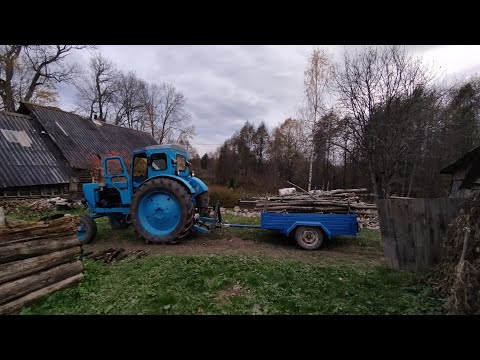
(37, 259)
(413, 230)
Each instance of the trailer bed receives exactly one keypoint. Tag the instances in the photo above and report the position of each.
(331, 224)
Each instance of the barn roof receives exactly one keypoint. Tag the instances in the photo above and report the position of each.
(82, 140)
(25, 159)
(461, 162)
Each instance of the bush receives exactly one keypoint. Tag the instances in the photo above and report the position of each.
(225, 196)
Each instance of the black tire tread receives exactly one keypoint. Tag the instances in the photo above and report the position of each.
(91, 228)
(306, 247)
(203, 201)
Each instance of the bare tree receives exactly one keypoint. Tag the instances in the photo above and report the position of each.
(96, 90)
(287, 149)
(128, 101)
(165, 115)
(152, 100)
(173, 117)
(318, 76)
(31, 72)
(381, 90)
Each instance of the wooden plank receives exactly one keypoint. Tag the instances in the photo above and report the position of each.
(404, 236)
(16, 305)
(421, 218)
(18, 251)
(442, 220)
(15, 289)
(21, 268)
(387, 230)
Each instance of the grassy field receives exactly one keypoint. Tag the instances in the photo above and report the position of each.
(240, 285)
(345, 278)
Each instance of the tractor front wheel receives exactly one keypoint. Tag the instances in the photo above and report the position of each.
(162, 211)
(87, 230)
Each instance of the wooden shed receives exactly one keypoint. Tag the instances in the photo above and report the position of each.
(465, 173)
(46, 151)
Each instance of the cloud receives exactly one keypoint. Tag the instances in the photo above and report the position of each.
(227, 85)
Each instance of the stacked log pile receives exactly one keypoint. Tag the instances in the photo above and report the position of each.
(37, 259)
(339, 201)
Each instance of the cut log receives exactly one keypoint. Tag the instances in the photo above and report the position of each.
(16, 305)
(305, 203)
(23, 250)
(15, 289)
(306, 208)
(337, 191)
(64, 225)
(34, 238)
(113, 255)
(21, 268)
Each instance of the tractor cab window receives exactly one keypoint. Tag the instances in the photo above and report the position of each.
(181, 163)
(114, 167)
(139, 167)
(159, 161)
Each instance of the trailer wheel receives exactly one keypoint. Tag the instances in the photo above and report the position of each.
(309, 238)
(87, 230)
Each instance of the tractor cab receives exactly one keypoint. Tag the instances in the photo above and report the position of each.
(159, 160)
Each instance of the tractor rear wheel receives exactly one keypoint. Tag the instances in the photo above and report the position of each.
(203, 201)
(162, 211)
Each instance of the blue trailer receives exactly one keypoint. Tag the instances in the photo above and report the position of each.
(308, 229)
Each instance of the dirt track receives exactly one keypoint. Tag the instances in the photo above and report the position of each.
(347, 251)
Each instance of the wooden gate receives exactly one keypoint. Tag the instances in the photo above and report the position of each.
(413, 230)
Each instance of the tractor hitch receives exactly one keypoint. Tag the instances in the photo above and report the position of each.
(205, 224)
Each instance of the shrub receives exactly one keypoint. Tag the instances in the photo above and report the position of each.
(225, 196)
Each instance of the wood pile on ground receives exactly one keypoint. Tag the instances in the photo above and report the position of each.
(36, 259)
(458, 273)
(110, 255)
(38, 205)
(338, 201)
(17, 205)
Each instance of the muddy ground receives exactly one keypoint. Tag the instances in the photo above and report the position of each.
(365, 249)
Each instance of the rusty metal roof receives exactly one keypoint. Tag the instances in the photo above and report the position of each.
(82, 140)
(25, 159)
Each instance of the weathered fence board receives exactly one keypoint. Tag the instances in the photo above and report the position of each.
(413, 229)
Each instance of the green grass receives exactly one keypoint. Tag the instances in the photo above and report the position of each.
(203, 285)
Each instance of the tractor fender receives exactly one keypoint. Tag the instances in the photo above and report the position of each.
(198, 185)
(189, 187)
(309, 223)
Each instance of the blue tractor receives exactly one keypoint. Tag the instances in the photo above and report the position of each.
(160, 197)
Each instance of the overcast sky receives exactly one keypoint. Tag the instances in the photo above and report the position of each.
(227, 85)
